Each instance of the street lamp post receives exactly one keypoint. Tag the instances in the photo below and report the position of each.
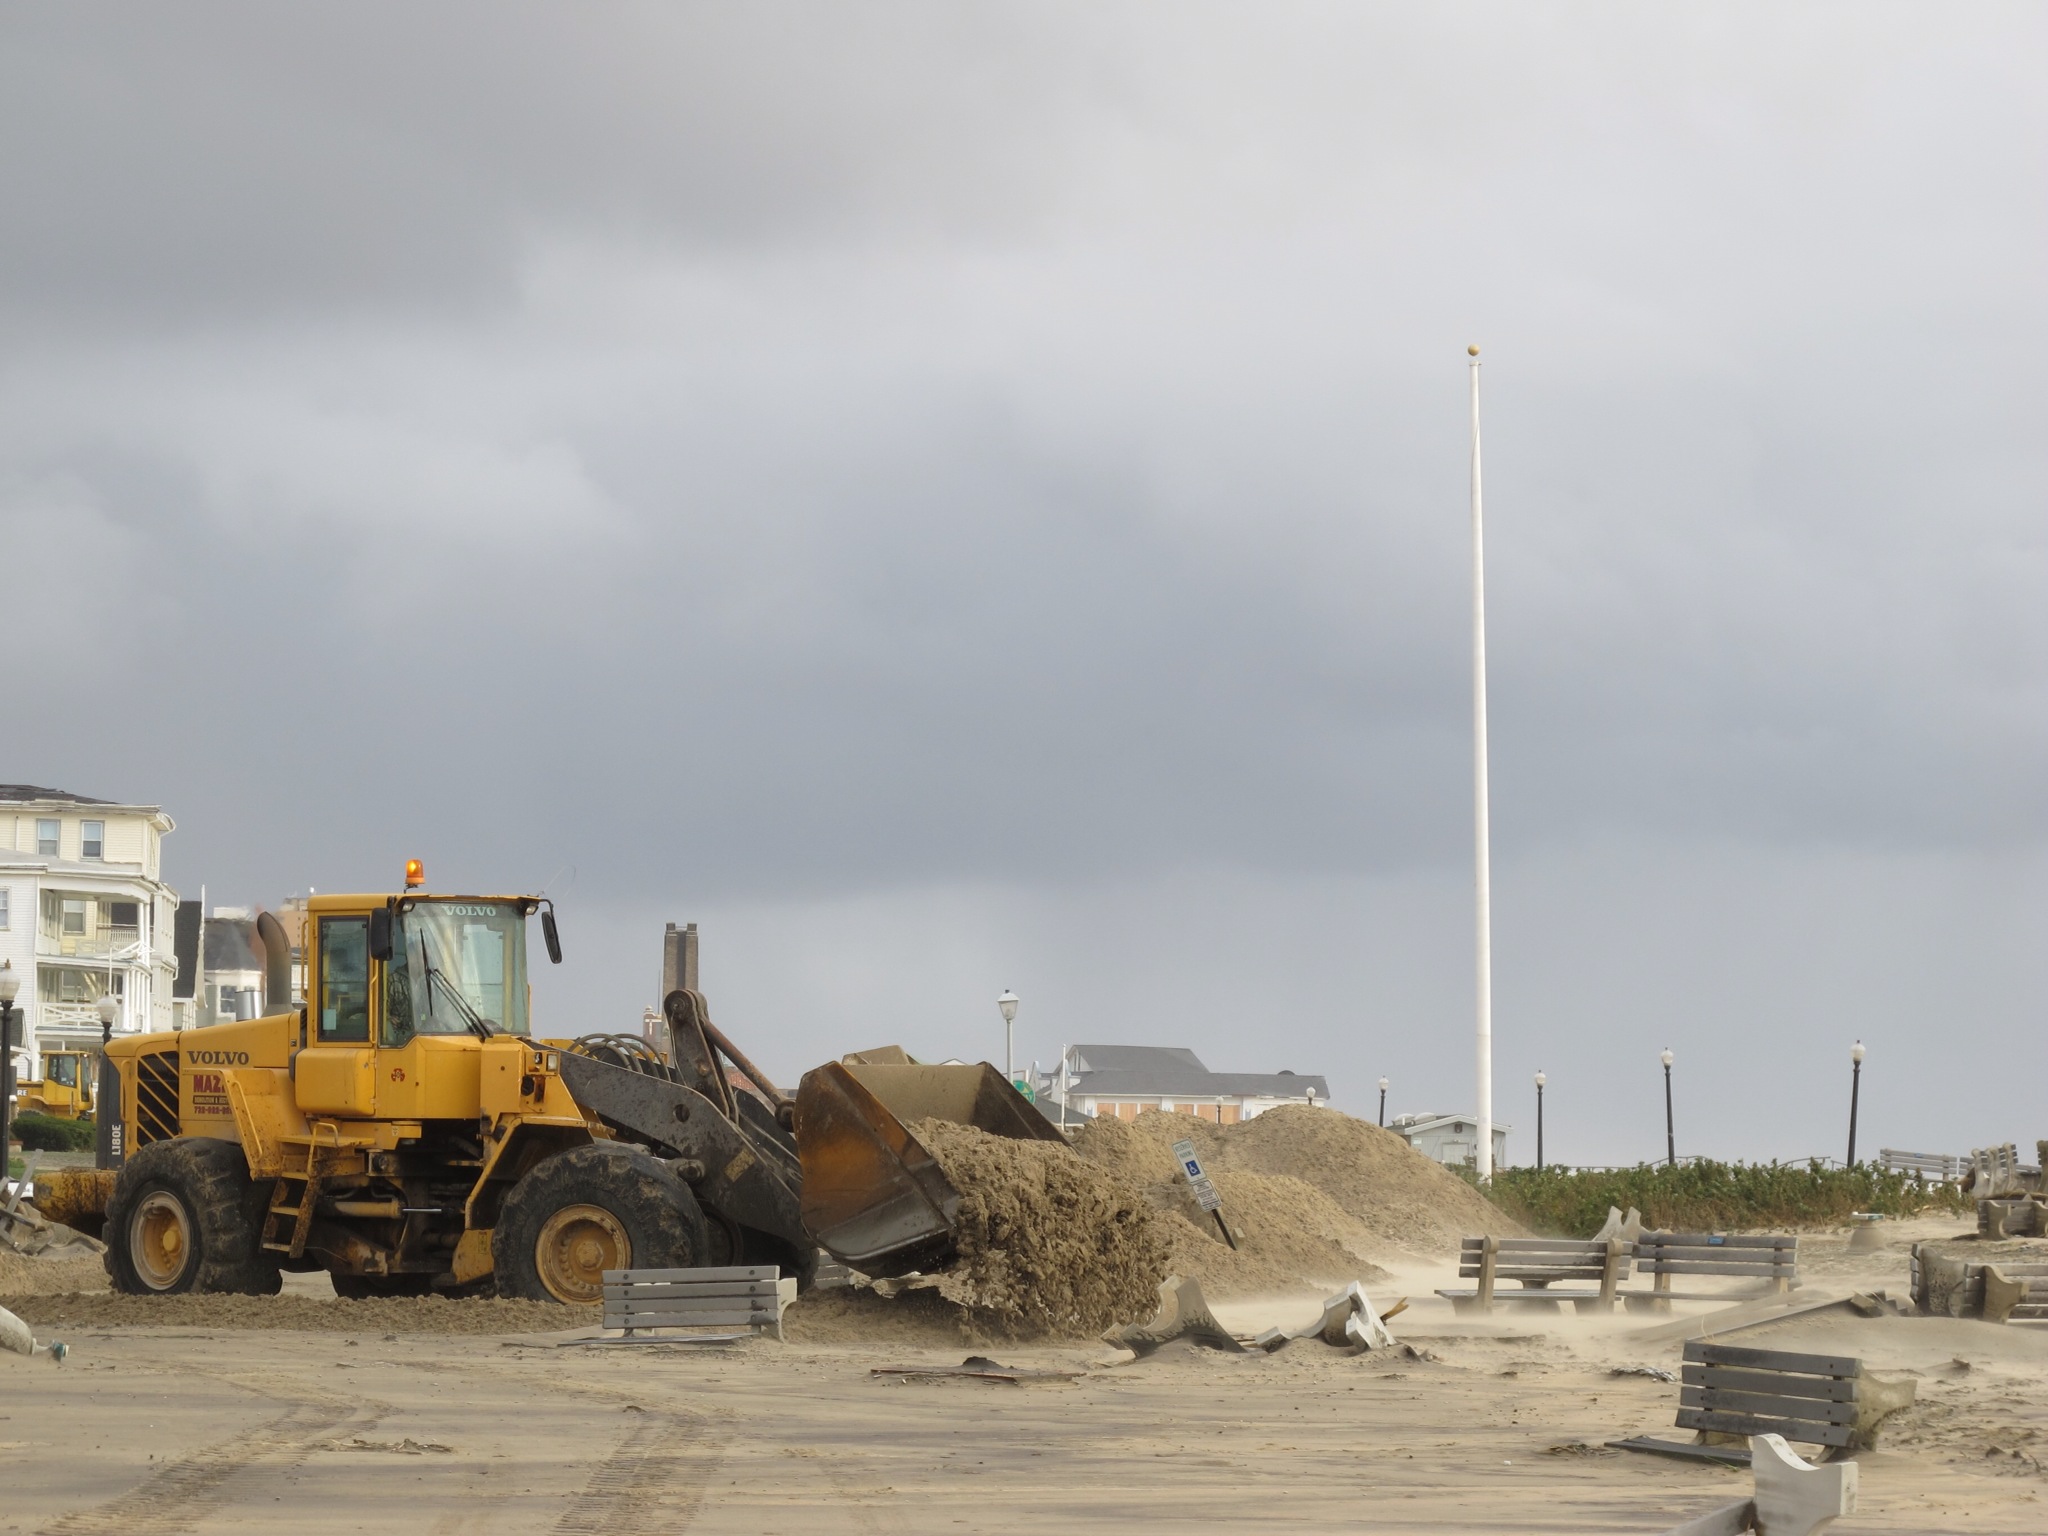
(1540, 1080)
(1670, 1136)
(1383, 1102)
(109, 1010)
(10, 984)
(1007, 1003)
(1855, 1092)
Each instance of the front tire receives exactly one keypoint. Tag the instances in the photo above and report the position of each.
(590, 1209)
(184, 1217)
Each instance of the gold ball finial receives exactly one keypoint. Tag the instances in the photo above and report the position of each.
(1474, 351)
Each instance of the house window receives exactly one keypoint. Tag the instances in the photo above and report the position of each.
(46, 839)
(4, 892)
(74, 917)
(92, 839)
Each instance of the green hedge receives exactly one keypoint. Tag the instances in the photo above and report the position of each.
(1707, 1196)
(47, 1133)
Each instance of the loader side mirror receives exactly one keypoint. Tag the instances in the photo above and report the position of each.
(380, 934)
(549, 935)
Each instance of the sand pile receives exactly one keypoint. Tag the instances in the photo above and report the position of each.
(301, 1314)
(48, 1277)
(1310, 1187)
(921, 1318)
(1051, 1245)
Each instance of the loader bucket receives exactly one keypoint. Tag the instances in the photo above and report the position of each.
(873, 1197)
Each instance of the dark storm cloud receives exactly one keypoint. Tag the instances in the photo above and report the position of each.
(956, 498)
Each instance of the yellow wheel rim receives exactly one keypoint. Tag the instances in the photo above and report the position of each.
(160, 1240)
(577, 1245)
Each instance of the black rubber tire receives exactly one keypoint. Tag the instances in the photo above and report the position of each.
(653, 1211)
(205, 1185)
(362, 1287)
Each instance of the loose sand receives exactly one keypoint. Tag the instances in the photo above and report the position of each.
(1319, 1198)
(1051, 1245)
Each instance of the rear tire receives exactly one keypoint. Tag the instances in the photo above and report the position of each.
(184, 1217)
(587, 1210)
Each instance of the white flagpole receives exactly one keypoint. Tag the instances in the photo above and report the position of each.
(1483, 879)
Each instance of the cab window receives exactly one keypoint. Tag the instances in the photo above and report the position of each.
(64, 1070)
(345, 979)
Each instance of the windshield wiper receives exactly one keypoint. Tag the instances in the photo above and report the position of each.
(476, 1022)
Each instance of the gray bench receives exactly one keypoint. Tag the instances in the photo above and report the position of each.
(641, 1302)
(1536, 1264)
(1769, 1258)
(1823, 1400)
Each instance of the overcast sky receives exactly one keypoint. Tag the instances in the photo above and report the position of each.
(952, 498)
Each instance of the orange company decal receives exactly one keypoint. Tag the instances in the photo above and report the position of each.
(210, 1096)
(398, 1074)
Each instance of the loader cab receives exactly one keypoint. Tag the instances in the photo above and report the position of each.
(401, 993)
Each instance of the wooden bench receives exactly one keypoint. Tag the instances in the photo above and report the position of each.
(1728, 1390)
(1772, 1258)
(1537, 1263)
(642, 1301)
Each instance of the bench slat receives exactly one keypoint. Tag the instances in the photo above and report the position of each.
(1769, 1405)
(1501, 1296)
(1526, 1272)
(1700, 1352)
(1717, 1240)
(695, 1320)
(687, 1288)
(678, 1308)
(1703, 1267)
(1750, 1424)
(1535, 1245)
(730, 1272)
(1784, 1383)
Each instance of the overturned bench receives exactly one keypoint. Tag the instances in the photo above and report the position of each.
(1771, 1259)
(1727, 1391)
(2003, 1282)
(643, 1302)
(1535, 1264)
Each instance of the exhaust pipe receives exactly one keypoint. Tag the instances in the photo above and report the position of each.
(277, 963)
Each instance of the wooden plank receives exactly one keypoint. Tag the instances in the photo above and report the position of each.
(1525, 1272)
(1755, 1258)
(1718, 1240)
(686, 1288)
(1768, 1405)
(1506, 1296)
(1698, 1267)
(1703, 1353)
(695, 1320)
(1749, 1424)
(731, 1272)
(1785, 1383)
(683, 1305)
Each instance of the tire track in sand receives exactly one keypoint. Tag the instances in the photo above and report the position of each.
(177, 1498)
(652, 1483)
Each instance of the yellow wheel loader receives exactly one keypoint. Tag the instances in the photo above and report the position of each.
(403, 1131)
(65, 1088)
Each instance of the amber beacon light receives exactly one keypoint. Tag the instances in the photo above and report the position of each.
(415, 874)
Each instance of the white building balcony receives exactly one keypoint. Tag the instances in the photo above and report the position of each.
(116, 944)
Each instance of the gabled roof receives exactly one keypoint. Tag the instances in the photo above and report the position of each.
(1136, 1058)
(22, 794)
(1111, 1070)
